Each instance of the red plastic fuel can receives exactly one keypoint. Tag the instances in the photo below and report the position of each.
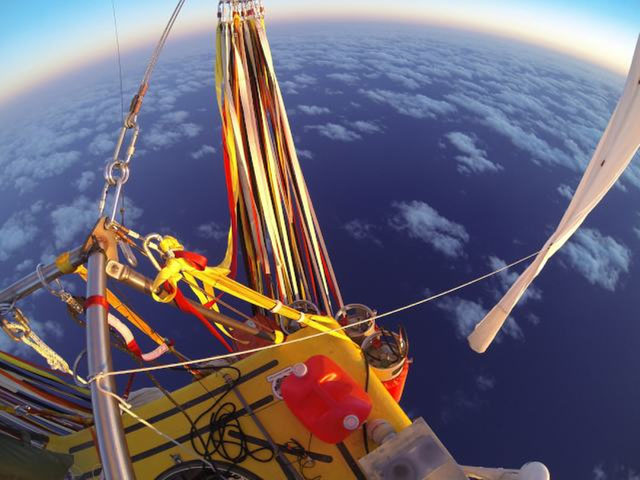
(326, 400)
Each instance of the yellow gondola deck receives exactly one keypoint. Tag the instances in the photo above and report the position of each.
(152, 454)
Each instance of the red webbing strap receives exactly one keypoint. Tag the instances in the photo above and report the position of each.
(195, 259)
(186, 307)
(127, 389)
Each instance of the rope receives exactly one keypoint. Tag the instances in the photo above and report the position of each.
(126, 407)
(322, 333)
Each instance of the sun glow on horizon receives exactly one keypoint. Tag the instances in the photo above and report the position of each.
(601, 44)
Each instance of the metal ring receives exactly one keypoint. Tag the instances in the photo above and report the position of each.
(109, 172)
(47, 286)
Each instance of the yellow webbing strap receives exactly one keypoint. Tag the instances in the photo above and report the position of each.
(176, 268)
(126, 312)
(63, 263)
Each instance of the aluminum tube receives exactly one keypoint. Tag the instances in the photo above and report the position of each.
(29, 284)
(114, 452)
(139, 282)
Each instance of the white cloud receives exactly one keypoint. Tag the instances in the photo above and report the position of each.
(24, 265)
(313, 109)
(304, 79)
(170, 129)
(423, 222)
(361, 230)
(348, 78)
(485, 382)
(335, 132)
(466, 314)
(17, 232)
(103, 143)
(203, 152)
(366, 127)
(305, 154)
(211, 230)
(85, 181)
(598, 258)
(72, 222)
(474, 159)
(615, 472)
(565, 191)
(416, 106)
(507, 278)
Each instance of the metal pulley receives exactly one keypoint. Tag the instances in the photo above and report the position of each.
(386, 352)
(357, 315)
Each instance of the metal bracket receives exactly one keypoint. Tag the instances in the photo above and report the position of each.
(275, 380)
(104, 238)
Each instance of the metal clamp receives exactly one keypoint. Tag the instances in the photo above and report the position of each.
(60, 293)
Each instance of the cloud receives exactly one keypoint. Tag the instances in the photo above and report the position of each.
(485, 382)
(203, 152)
(17, 232)
(170, 129)
(305, 154)
(507, 278)
(361, 230)
(416, 106)
(335, 132)
(313, 110)
(24, 265)
(615, 472)
(466, 314)
(103, 143)
(348, 78)
(366, 127)
(304, 79)
(565, 191)
(600, 259)
(474, 159)
(211, 230)
(73, 222)
(423, 222)
(85, 181)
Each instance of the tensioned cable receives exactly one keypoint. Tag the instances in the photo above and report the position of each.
(115, 28)
(320, 334)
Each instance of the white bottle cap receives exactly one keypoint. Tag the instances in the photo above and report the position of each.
(300, 370)
(351, 422)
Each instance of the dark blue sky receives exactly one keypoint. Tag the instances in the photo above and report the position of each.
(431, 156)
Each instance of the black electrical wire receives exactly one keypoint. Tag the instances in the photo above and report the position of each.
(223, 420)
(303, 457)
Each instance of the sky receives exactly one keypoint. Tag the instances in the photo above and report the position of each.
(64, 35)
(471, 128)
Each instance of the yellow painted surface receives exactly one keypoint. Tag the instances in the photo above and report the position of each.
(275, 416)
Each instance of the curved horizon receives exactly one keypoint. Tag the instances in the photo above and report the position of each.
(569, 42)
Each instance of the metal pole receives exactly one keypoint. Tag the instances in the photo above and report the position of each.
(139, 282)
(29, 284)
(116, 461)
